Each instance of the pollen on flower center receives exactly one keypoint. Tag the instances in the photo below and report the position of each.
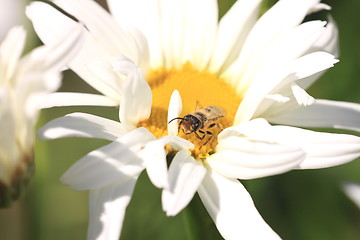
(194, 86)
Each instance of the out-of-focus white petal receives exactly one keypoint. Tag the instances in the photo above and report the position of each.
(352, 190)
(10, 51)
(61, 99)
(116, 162)
(232, 209)
(232, 32)
(242, 158)
(9, 152)
(56, 55)
(103, 27)
(174, 110)
(83, 125)
(154, 155)
(323, 113)
(50, 25)
(145, 16)
(136, 95)
(107, 209)
(185, 176)
(11, 14)
(38, 73)
(319, 7)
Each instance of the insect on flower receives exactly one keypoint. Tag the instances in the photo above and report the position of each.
(201, 120)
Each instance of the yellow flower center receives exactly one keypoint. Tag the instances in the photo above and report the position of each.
(194, 86)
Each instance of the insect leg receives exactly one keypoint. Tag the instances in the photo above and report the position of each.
(210, 136)
(198, 136)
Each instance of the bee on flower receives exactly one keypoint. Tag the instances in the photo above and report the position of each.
(156, 60)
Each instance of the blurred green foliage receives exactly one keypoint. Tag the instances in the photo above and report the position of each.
(297, 205)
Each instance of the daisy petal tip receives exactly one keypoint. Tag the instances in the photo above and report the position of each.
(175, 108)
(352, 190)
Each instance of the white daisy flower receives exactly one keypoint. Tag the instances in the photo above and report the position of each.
(110, 172)
(255, 68)
(24, 82)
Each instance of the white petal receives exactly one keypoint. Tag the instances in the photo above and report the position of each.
(116, 162)
(174, 110)
(280, 81)
(11, 14)
(285, 15)
(352, 190)
(10, 51)
(136, 95)
(312, 63)
(56, 25)
(143, 58)
(38, 73)
(50, 24)
(58, 54)
(322, 149)
(329, 40)
(61, 99)
(144, 15)
(103, 27)
(154, 155)
(232, 32)
(83, 125)
(104, 71)
(277, 98)
(9, 151)
(33, 86)
(302, 97)
(185, 36)
(319, 7)
(237, 157)
(323, 113)
(185, 175)
(107, 210)
(232, 209)
(172, 31)
(198, 33)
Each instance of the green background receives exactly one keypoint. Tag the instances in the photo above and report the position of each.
(297, 205)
